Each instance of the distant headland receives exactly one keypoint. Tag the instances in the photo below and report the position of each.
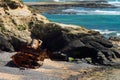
(52, 6)
(91, 4)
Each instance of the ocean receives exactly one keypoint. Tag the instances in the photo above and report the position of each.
(104, 20)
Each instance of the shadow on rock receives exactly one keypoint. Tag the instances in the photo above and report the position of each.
(10, 64)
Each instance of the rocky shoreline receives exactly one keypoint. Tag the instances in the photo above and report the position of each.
(20, 25)
(60, 39)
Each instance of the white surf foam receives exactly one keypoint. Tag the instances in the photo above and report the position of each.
(92, 12)
(118, 34)
(115, 3)
(56, 0)
(106, 31)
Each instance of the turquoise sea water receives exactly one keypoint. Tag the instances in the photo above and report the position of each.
(104, 20)
(108, 25)
(111, 22)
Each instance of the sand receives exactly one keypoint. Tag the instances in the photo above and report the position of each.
(55, 70)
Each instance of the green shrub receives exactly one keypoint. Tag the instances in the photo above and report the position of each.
(70, 59)
(21, 27)
(2, 28)
(7, 1)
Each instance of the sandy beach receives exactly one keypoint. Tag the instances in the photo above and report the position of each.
(55, 70)
(51, 70)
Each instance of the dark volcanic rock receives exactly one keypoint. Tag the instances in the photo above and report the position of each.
(114, 38)
(77, 42)
(5, 44)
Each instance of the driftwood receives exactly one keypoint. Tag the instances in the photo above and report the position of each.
(30, 56)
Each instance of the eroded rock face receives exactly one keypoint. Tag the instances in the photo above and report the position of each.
(14, 24)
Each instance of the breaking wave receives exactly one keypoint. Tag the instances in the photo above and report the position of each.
(108, 33)
(86, 11)
(57, 0)
(115, 3)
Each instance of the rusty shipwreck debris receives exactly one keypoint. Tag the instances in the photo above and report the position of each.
(30, 56)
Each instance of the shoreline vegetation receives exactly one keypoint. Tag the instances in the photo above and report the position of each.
(19, 26)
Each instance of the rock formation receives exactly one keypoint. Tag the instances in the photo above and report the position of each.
(77, 42)
(14, 20)
(115, 41)
(19, 25)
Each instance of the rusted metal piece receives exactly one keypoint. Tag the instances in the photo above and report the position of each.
(30, 56)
